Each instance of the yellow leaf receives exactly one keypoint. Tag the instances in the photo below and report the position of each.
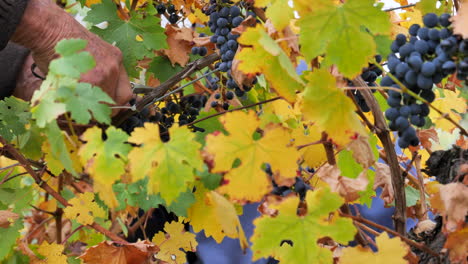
(52, 253)
(216, 215)
(330, 109)
(265, 56)
(173, 241)
(84, 209)
(390, 251)
(169, 165)
(92, 2)
(248, 182)
(411, 17)
(447, 102)
(313, 155)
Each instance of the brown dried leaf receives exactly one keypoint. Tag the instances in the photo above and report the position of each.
(457, 243)
(7, 218)
(362, 151)
(425, 136)
(383, 179)
(460, 21)
(348, 188)
(179, 41)
(452, 203)
(108, 252)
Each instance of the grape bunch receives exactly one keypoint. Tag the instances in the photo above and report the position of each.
(183, 112)
(299, 187)
(420, 60)
(223, 18)
(171, 11)
(369, 75)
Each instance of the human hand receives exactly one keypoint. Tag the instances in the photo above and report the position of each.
(44, 24)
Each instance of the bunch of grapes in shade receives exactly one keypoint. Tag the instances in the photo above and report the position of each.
(171, 12)
(429, 54)
(183, 112)
(300, 187)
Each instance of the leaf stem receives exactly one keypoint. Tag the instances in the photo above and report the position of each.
(398, 7)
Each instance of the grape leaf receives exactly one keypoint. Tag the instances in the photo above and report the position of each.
(173, 241)
(162, 68)
(266, 56)
(447, 101)
(9, 236)
(58, 147)
(124, 33)
(336, 29)
(53, 253)
(135, 194)
(313, 155)
(278, 11)
(391, 250)
(14, 115)
(336, 116)
(216, 216)
(129, 253)
(85, 99)
(248, 182)
(302, 231)
(84, 209)
(169, 165)
(104, 160)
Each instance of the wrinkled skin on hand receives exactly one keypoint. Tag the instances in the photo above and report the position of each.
(44, 24)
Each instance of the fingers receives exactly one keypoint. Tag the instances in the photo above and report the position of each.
(124, 92)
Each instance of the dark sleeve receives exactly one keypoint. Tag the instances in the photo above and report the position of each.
(11, 12)
(11, 62)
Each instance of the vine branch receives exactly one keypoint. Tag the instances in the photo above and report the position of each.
(162, 89)
(388, 230)
(398, 182)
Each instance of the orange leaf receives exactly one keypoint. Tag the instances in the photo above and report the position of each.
(108, 252)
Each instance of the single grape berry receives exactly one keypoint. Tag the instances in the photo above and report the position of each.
(173, 18)
(214, 104)
(203, 51)
(444, 20)
(217, 96)
(195, 50)
(229, 95)
(171, 8)
(161, 9)
(413, 30)
(400, 39)
(392, 113)
(430, 20)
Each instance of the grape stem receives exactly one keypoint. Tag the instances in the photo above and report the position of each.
(166, 86)
(399, 7)
(404, 89)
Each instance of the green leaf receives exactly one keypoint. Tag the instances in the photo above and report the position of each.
(430, 6)
(59, 150)
(14, 115)
(9, 236)
(347, 165)
(182, 203)
(124, 33)
(84, 100)
(68, 47)
(162, 68)
(335, 30)
(136, 194)
(303, 231)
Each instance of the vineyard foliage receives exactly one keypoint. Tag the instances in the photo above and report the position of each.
(77, 182)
